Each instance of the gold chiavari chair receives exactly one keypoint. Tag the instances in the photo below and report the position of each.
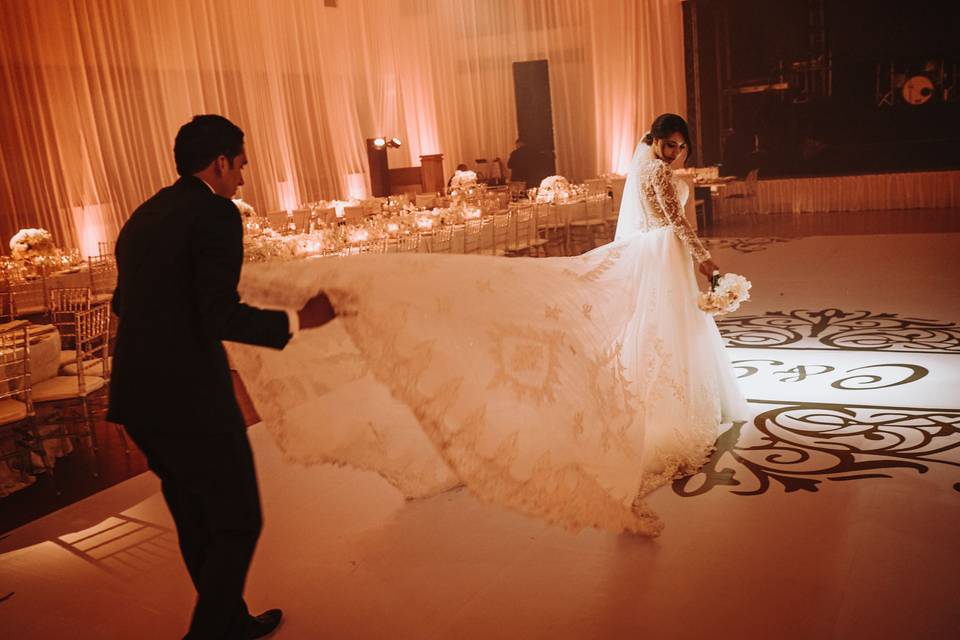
(520, 242)
(69, 402)
(501, 232)
(372, 246)
(595, 186)
(613, 214)
(106, 248)
(425, 200)
(551, 233)
(64, 305)
(408, 244)
(502, 196)
(538, 231)
(103, 277)
(301, 220)
(598, 209)
(472, 235)
(6, 306)
(70, 299)
(616, 185)
(18, 433)
(440, 240)
(28, 298)
(583, 225)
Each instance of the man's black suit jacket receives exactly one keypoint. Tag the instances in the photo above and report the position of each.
(179, 258)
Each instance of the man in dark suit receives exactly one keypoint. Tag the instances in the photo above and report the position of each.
(179, 258)
(522, 163)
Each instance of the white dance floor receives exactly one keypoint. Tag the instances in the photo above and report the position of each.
(834, 515)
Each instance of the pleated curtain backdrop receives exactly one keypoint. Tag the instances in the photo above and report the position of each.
(95, 90)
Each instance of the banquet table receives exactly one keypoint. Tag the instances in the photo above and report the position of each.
(562, 213)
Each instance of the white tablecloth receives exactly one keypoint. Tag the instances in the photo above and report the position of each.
(871, 192)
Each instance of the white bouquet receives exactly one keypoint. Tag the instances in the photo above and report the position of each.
(28, 243)
(246, 209)
(725, 295)
(463, 179)
(551, 187)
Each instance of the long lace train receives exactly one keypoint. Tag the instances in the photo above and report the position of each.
(566, 388)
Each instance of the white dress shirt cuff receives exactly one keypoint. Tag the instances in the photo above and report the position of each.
(293, 318)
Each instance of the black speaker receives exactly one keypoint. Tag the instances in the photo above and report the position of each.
(531, 87)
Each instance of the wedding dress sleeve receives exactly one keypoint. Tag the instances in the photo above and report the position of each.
(668, 203)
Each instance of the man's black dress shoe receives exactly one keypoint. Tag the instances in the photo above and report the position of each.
(263, 624)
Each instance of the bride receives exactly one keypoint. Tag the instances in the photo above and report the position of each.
(566, 388)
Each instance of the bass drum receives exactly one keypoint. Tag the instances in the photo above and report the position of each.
(917, 90)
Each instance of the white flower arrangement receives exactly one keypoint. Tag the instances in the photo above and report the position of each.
(554, 183)
(552, 187)
(725, 295)
(28, 243)
(463, 179)
(246, 209)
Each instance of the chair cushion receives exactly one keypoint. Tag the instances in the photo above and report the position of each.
(64, 388)
(67, 356)
(90, 367)
(100, 298)
(12, 411)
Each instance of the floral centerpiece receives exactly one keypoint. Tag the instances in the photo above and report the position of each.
(463, 180)
(246, 209)
(31, 243)
(725, 295)
(268, 245)
(553, 188)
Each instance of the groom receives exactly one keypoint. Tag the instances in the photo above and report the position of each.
(179, 257)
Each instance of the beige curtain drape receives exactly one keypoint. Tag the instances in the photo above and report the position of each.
(94, 91)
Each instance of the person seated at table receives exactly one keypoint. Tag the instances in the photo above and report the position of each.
(460, 167)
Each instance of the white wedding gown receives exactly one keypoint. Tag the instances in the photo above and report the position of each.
(566, 388)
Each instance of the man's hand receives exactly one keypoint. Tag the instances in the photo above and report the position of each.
(707, 267)
(317, 312)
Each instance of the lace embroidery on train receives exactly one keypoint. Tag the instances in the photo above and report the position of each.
(560, 387)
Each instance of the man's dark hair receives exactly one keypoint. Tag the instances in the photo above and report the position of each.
(203, 140)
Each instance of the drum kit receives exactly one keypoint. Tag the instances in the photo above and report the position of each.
(916, 84)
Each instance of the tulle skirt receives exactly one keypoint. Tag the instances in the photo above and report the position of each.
(566, 388)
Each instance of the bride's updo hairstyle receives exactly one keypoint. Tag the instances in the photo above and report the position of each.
(666, 124)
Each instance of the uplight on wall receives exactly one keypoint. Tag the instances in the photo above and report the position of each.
(92, 225)
(287, 195)
(356, 186)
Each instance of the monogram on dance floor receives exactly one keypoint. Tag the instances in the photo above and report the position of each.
(845, 396)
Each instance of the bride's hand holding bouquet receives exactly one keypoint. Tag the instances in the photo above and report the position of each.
(726, 293)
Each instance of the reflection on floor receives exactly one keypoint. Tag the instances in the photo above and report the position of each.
(78, 475)
(832, 515)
